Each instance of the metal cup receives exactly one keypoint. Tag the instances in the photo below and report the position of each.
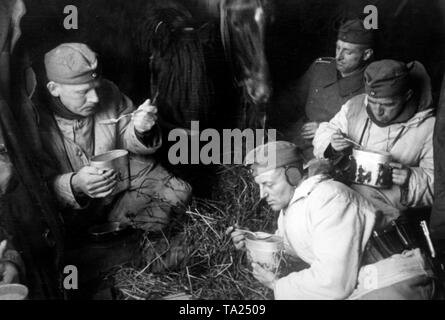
(371, 168)
(265, 251)
(118, 161)
(13, 292)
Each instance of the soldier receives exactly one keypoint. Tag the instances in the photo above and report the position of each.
(394, 116)
(72, 100)
(331, 228)
(77, 99)
(330, 82)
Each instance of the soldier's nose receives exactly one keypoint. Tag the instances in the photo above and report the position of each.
(339, 56)
(263, 193)
(92, 96)
(380, 111)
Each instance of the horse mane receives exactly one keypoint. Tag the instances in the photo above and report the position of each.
(160, 40)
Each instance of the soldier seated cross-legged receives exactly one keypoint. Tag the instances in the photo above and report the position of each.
(75, 126)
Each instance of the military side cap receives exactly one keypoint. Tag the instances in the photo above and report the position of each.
(71, 63)
(272, 155)
(386, 78)
(353, 31)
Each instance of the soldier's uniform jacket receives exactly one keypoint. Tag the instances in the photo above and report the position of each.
(322, 91)
(328, 225)
(409, 143)
(71, 143)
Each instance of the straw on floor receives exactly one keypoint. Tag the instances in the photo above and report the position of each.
(212, 269)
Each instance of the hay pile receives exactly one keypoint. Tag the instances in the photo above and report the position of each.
(213, 269)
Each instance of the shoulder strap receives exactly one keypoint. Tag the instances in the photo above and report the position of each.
(364, 130)
(324, 60)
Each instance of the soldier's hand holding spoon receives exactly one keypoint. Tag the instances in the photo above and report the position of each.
(145, 117)
(338, 141)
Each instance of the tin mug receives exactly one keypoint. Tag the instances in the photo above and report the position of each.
(118, 161)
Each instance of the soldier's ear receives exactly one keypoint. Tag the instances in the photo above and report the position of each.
(368, 54)
(53, 88)
(293, 175)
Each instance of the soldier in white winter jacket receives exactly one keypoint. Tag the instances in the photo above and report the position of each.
(329, 226)
(394, 116)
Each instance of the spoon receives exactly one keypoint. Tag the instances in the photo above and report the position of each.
(358, 145)
(345, 136)
(116, 120)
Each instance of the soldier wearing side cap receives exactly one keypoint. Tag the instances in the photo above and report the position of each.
(329, 226)
(76, 101)
(330, 82)
(394, 116)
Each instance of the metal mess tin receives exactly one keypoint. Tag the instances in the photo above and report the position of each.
(371, 168)
(118, 161)
(264, 249)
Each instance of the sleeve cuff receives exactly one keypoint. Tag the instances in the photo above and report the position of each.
(404, 191)
(149, 138)
(64, 192)
(142, 143)
(280, 290)
(331, 153)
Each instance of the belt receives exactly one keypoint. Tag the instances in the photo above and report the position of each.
(395, 239)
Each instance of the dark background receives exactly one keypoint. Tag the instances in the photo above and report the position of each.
(301, 31)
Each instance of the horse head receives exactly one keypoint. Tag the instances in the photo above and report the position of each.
(243, 24)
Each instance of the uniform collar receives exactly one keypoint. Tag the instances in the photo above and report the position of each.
(346, 85)
(407, 113)
(352, 83)
(59, 109)
(330, 75)
(307, 186)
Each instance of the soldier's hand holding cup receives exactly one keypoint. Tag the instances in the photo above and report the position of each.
(338, 141)
(400, 173)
